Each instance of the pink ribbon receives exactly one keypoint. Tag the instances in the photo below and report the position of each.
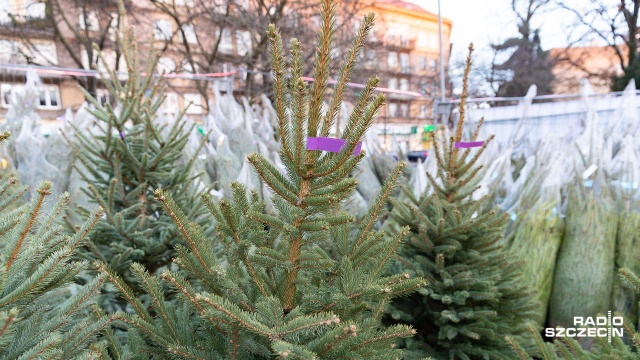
(330, 144)
(466, 145)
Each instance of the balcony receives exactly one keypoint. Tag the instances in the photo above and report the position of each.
(400, 44)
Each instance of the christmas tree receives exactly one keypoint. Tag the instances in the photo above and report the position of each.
(43, 312)
(306, 283)
(475, 295)
(126, 155)
(626, 347)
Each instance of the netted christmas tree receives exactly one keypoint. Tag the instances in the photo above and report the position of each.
(475, 295)
(44, 312)
(128, 153)
(306, 283)
(626, 347)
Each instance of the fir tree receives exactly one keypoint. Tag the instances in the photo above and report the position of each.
(475, 295)
(130, 154)
(43, 314)
(306, 283)
(527, 64)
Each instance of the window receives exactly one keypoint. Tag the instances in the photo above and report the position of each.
(54, 96)
(404, 110)
(243, 42)
(219, 7)
(391, 37)
(42, 95)
(48, 95)
(34, 9)
(404, 84)
(226, 42)
(113, 27)
(44, 54)
(90, 20)
(110, 58)
(9, 52)
(423, 87)
(335, 53)
(166, 64)
(433, 64)
(393, 109)
(393, 83)
(404, 62)
(6, 9)
(196, 103)
(186, 67)
(392, 60)
(405, 41)
(242, 4)
(189, 33)
(371, 55)
(434, 40)
(423, 63)
(162, 29)
(170, 104)
(422, 42)
(423, 111)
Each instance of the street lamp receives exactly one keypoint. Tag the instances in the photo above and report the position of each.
(441, 55)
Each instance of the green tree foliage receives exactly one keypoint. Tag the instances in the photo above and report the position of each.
(43, 314)
(128, 154)
(307, 283)
(625, 348)
(475, 295)
(528, 64)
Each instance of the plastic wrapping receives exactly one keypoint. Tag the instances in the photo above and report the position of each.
(227, 165)
(29, 154)
(623, 299)
(585, 268)
(539, 229)
(419, 180)
(624, 171)
(356, 205)
(249, 178)
(368, 184)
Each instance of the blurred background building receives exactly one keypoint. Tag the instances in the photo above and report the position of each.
(225, 39)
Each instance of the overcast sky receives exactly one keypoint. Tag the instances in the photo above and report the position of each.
(485, 21)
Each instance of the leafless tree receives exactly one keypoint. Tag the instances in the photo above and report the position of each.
(74, 26)
(615, 24)
(527, 64)
(209, 33)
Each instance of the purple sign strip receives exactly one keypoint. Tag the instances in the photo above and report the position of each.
(330, 144)
(466, 145)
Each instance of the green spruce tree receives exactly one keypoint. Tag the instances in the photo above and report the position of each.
(306, 283)
(475, 295)
(44, 313)
(128, 154)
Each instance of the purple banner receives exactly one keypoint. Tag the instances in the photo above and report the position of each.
(330, 144)
(466, 145)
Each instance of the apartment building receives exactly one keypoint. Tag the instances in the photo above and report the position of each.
(407, 54)
(403, 50)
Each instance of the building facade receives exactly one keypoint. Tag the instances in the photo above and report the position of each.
(407, 52)
(595, 63)
(194, 38)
